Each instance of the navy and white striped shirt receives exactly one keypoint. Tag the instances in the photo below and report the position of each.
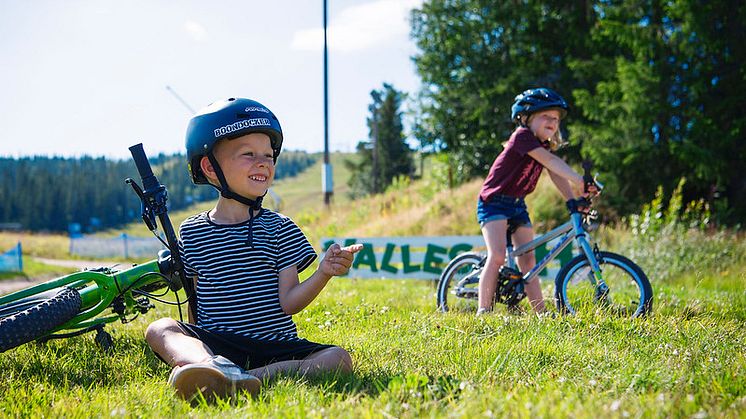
(237, 285)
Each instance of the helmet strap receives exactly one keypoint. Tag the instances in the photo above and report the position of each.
(254, 205)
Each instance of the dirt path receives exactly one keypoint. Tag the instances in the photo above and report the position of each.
(14, 284)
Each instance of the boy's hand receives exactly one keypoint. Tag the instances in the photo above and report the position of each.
(337, 260)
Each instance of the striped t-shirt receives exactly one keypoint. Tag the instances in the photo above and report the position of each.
(237, 285)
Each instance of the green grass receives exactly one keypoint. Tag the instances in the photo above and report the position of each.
(38, 270)
(687, 359)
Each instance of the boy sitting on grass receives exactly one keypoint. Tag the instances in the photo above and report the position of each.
(245, 262)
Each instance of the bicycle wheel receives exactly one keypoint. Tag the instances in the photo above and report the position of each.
(458, 287)
(629, 293)
(34, 317)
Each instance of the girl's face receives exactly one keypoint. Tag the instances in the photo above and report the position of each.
(544, 124)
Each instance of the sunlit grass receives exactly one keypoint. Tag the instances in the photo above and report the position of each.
(411, 361)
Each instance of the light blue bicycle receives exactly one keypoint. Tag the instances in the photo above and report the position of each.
(594, 280)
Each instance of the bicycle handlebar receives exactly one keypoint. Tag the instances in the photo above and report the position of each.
(588, 178)
(154, 197)
(149, 181)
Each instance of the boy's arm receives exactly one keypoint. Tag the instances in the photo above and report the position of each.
(296, 295)
(191, 318)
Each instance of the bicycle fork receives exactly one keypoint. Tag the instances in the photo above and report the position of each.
(595, 276)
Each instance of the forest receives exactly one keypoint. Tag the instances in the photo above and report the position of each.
(52, 193)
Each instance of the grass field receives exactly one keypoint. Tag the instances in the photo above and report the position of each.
(687, 360)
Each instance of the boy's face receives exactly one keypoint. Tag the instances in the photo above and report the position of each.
(545, 124)
(247, 164)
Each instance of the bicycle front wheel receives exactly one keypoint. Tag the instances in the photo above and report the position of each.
(627, 293)
(34, 317)
(458, 286)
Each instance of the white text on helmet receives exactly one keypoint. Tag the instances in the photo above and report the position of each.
(246, 123)
(255, 109)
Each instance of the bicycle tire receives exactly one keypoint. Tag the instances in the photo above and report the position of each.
(629, 294)
(34, 317)
(464, 266)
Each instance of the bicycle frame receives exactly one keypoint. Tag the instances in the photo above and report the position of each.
(98, 289)
(569, 231)
(104, 288)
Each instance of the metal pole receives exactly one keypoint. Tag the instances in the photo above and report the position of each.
(20, 258)
(183, 102)
(327, 185)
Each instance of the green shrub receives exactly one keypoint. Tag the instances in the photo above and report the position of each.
(670, 239)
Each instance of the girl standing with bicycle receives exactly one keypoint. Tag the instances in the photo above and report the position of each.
(513, 175)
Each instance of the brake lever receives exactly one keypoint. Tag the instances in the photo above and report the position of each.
(148, 216)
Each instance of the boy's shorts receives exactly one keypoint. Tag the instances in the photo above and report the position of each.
(250, 353)
(503, 207)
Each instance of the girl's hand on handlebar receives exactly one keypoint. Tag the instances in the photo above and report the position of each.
(337, 260)
(592, 187)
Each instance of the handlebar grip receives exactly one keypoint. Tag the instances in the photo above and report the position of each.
(149, 181)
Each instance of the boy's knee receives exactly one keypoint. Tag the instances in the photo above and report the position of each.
(157, 330)
(335, 359)
(343, 359)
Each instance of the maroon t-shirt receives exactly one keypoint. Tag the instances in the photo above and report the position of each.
(514, 173)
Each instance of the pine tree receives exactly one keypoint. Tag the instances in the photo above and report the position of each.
(386, 155)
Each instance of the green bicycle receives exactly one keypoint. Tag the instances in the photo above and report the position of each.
(86, 301)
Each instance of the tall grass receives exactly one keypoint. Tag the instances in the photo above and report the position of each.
(670, 238)
(687, 360)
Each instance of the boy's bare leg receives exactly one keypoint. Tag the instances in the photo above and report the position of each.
(526, 262)
(330, 359)
(174, 345)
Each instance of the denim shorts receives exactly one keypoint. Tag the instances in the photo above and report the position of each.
(503, 207)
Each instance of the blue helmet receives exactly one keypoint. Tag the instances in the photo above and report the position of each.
(228, 119)
(534, 100)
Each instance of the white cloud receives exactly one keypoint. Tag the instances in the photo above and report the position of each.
(360, 27)
(195, 30)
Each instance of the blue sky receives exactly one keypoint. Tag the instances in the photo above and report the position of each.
(89, 77)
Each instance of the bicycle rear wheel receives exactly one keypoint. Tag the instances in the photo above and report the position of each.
(34, 317)
(629, 293)
(458, 287)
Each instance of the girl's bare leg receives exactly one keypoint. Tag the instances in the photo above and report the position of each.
(526, 262)
(494, 238)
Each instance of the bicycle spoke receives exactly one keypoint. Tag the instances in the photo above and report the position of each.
(618, 294)
(458, 287)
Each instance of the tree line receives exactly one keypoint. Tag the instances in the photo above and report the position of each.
(51, 193)
(656, 88)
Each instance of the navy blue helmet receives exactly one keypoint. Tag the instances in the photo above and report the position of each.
(534, 100)
(228, 119)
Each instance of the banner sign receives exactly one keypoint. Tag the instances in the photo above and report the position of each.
(12, 260)
(422, 257)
